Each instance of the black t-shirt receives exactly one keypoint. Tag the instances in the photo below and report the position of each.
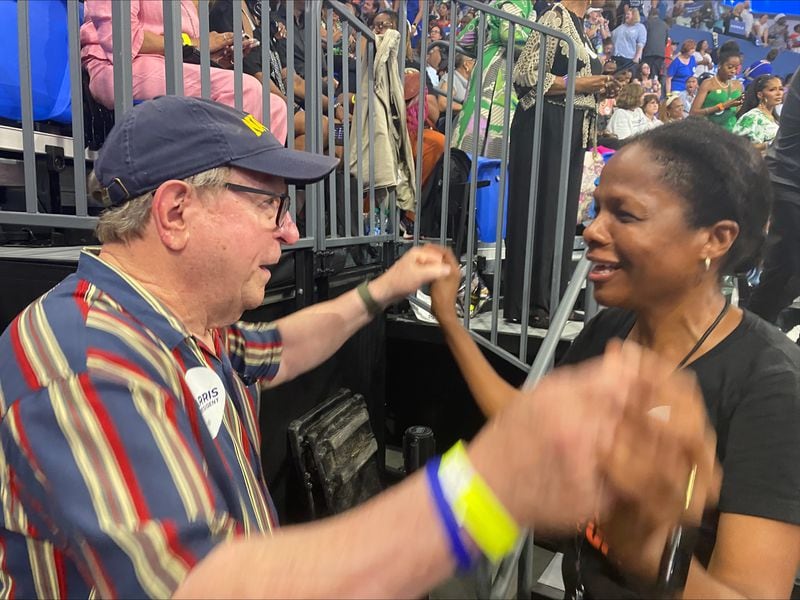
(751, 385)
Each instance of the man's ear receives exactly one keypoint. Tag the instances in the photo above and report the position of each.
(721, 236)
(170, 202)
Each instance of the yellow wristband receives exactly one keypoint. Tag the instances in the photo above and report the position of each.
(475, 507)
(187, 41)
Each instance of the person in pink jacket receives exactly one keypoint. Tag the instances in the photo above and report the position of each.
(147, 52)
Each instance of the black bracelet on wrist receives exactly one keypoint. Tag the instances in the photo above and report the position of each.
(373, 308)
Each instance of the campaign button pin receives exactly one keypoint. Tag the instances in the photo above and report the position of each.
(209, 393)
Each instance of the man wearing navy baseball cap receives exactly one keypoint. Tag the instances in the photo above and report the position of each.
(130, 459)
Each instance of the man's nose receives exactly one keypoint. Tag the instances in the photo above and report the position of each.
(288, 233)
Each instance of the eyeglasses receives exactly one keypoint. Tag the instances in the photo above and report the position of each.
(283, 201)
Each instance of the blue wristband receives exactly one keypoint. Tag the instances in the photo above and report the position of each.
(457, 547)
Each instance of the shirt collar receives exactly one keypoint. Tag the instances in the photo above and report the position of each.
(132, 296)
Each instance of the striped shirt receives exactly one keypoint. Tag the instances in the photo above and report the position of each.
(111, 483)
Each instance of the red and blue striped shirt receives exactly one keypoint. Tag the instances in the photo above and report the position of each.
(110, 482)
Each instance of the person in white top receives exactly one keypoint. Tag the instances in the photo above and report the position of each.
(650, 110)
(628, 118)
(689, 94)
(747, 17)
(703, 59)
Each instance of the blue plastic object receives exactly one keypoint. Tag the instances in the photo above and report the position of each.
(486, 200)
(49, 53)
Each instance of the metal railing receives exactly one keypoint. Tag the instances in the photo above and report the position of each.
(483, 12)
(323, 224)
(346, 208)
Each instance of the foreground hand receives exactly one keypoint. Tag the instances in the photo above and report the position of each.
(418, 266)
(648, 486)
(574, 447)
(445, 289)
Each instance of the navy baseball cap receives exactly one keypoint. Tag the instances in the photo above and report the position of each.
(174, 137)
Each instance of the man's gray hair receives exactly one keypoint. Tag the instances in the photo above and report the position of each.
(127, 222)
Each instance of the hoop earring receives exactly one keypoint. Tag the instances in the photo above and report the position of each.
(707, 263)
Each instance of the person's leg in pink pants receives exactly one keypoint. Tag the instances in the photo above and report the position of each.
(149, 81)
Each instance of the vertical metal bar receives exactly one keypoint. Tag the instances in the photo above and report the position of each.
(205, 50)
(346, 125)
(448, 136)
(360, 133)
(173, 57)
(238, 58)
(123, 67)
(563, 190)
(402, 24)
(266, 64)
(76, 97)
(591, 305)
(290, 93)
(26, 104)
(525, 569)
(498, 248)
(331, 117)
(473, 188)
(420, 130)
(371, 131)
(313, 78)
(558, 320)
(533, 197)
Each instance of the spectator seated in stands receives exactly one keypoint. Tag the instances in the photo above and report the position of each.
(703, 61)
(605, 107)
(435, 61)
(608, 51)
(760, 67)
(779, 32)
(464, 65)
(650, 109)
(148, 64)
(623, 76)
(734, 23)
(628, 118)
(432, 140)
(794, 39)
(672, 108)
(689, 94)
(760, 33)
(647, 79)
(443, 17)
(367, 10)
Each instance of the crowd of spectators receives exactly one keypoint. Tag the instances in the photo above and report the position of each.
(639, 50)
(632, 36)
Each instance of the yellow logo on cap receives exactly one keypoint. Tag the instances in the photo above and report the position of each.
(255, 125)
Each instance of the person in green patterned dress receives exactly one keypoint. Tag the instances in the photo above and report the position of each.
(493, 84)
(719, 96)
(757, 118)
